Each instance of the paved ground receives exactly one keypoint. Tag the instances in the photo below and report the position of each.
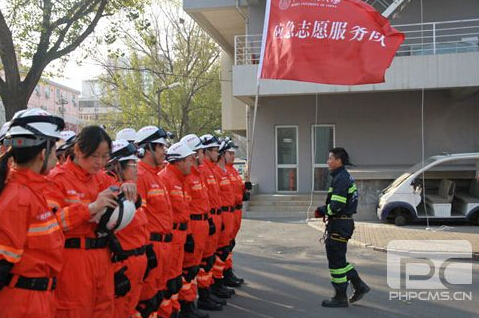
(378, 235)
(286, 270)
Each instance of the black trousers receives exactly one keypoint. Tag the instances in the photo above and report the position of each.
(339, 232)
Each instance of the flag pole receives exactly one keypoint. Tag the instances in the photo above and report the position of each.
(250, 154)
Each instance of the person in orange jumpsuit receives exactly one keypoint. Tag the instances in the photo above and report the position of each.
(199, 228)
(31, 241)
(129, 255)
(179, 157)
(227, 197)
(151, 141)
(207, 299)
(81, 191)
(241, 194)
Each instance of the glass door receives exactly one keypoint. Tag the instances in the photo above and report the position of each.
(322, 141)
(286, 158)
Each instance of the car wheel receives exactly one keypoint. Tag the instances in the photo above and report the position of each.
(400, 220)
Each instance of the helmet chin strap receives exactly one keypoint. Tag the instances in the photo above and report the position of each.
(119, 171)
(47, 155)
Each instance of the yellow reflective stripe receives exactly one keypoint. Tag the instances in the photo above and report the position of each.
(43, 228)
(176, 192)
(339, 280)
(64, 218)
(330, 190)
(352, 189)
(339, 198)
(343, 270)
(12, 255)
(329, 210)
(53, 204)
(155, 192)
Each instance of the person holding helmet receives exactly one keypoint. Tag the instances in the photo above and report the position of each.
(205, 275)
(129, 254)
(128, 134)
(227, 197)
(65, 149)
(240, 190)
(180, 161)
(151, 142)
(31, 241)
(199, 229)
(81, 194)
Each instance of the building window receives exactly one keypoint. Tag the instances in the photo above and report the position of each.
(37, 90)
(322, 140)
(47, 92)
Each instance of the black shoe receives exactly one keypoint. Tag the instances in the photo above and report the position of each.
(336, 301)
(205, 301)
(230, 279)
(197, 312)
(240, 279)
(360, 289)
(220, 290)
(218, 300)
(189, 310)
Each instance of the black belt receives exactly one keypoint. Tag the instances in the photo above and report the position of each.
(199, 217)
(238, 206)
(341, 217)
(158, 237)
(90, 243)
(215, 211)
(227, 208)
(33, 283)
(180, 226)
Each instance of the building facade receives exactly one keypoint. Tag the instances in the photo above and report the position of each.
(383, 126)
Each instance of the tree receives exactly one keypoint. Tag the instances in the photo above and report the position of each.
(164, 47)
(42, 31)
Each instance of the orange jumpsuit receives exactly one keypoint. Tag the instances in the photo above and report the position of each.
(174, 181)
(134, 237)
(227, 197)
(199, 228)
(239, 190)
(32, 240)
(85, 285)
(156, 203)
(205, 275)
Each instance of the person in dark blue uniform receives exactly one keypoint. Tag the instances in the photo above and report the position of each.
(341, 204)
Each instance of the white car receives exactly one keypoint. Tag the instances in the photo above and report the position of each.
(443, 188)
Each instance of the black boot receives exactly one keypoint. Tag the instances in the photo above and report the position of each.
(175, 314)
(219, 289)
(360, 289)
(230, 279)
(205, 302)
(339, 300)
(216, 299)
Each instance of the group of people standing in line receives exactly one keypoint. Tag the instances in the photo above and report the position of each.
(135, 227)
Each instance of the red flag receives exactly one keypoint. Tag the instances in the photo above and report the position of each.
(326, 41)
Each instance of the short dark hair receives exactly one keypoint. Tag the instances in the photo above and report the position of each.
(340, 153)
(90, 138)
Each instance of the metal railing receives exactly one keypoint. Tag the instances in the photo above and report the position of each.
(421, 39)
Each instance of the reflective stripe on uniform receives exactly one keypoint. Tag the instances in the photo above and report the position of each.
(339, 271)
(339, 280)
(339, 198)
(329, 209)
(352, 189)
(330, 190)
(44, 228)
(64, 219)
(11, 254)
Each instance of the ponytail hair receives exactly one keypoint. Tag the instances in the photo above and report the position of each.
(20, 156)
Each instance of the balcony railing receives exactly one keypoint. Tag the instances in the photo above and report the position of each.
(421, 39)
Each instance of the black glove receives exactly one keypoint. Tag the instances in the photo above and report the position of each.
(122, 283)
(320, 212)
(246, 196)
(5, 268)
(248, 185)
(212, 226)
(189, 244)
(151, 256)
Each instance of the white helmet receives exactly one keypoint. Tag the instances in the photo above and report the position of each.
(126, 134)
(3, 131)
(122, 150)
(192, 141)
(151, 134)
(209, 141)
(227, 145)
(118, 218)
(69, 140)
(178, 151)
(32, 127)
